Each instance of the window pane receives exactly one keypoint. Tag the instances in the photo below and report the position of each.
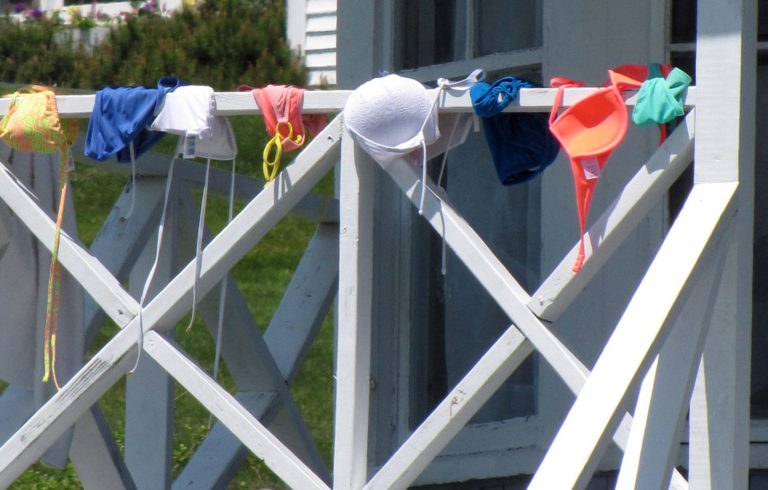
(506, 25)
(684, 21)
(424, 32)
(507, 219)
(760, 265)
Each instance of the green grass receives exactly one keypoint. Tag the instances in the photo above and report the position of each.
(262, 276)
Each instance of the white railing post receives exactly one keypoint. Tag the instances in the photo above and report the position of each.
(353, 340)
(724, 152)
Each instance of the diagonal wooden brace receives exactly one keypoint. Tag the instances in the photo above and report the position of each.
(109, 364)
(613, 226)
(683, 256)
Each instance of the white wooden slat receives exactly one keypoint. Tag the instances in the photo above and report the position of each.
(91, 388)
(247, 356)
(62, 410)
(636, 339)
(321, 76)
(227, 104)
(321, 23)
(331, 101)
(726, 64)
(86, 269)
(232, 297)
(702, 433)
(252, 223)
(232, 414)
(321, 7)
(620, 218)
(678, 481)
(541, 99)
(219, 456)
(630, 462)
(96, 456)
(353, 333)
(108, 364)
(495, 279)
(320, 41)
(456, 409)
(489, 271)
(407, 178)
(305, 303)
(320, 59)
(725, 69)
(295, 20)
(291, 336)
(719, 410)
(252, 367)
(662, 405)
(131, 233)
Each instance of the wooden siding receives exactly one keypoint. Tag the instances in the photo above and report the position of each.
(320, 42)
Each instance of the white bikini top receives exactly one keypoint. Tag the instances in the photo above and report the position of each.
(188, 111)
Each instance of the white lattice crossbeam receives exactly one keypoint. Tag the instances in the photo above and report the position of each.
(648, 185)
(662, 404)
(111, 362)
(683, 259)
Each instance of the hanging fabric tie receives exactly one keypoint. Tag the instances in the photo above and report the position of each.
(223, 293)
(189, 112)
(443, 84)
(32, 124)
(281, 107)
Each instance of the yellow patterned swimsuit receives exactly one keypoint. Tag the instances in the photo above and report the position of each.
(32, 125)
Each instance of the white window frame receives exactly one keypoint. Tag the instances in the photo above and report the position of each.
(464, 48)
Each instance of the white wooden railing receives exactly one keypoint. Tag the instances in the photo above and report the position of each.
(662, 331)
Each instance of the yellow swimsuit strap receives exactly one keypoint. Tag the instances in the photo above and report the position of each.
(271, 167)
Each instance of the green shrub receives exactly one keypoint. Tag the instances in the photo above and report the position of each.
(29, 53)
(221, 43)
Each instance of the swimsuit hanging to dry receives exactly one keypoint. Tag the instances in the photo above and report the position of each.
(32, 124)
(281, 106)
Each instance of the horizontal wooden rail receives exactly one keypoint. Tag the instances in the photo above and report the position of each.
(328, 101)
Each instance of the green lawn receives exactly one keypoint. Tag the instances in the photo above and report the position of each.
(262, 276)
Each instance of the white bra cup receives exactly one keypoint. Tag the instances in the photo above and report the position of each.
(390, 116)
(221, 145)
(188, 109)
